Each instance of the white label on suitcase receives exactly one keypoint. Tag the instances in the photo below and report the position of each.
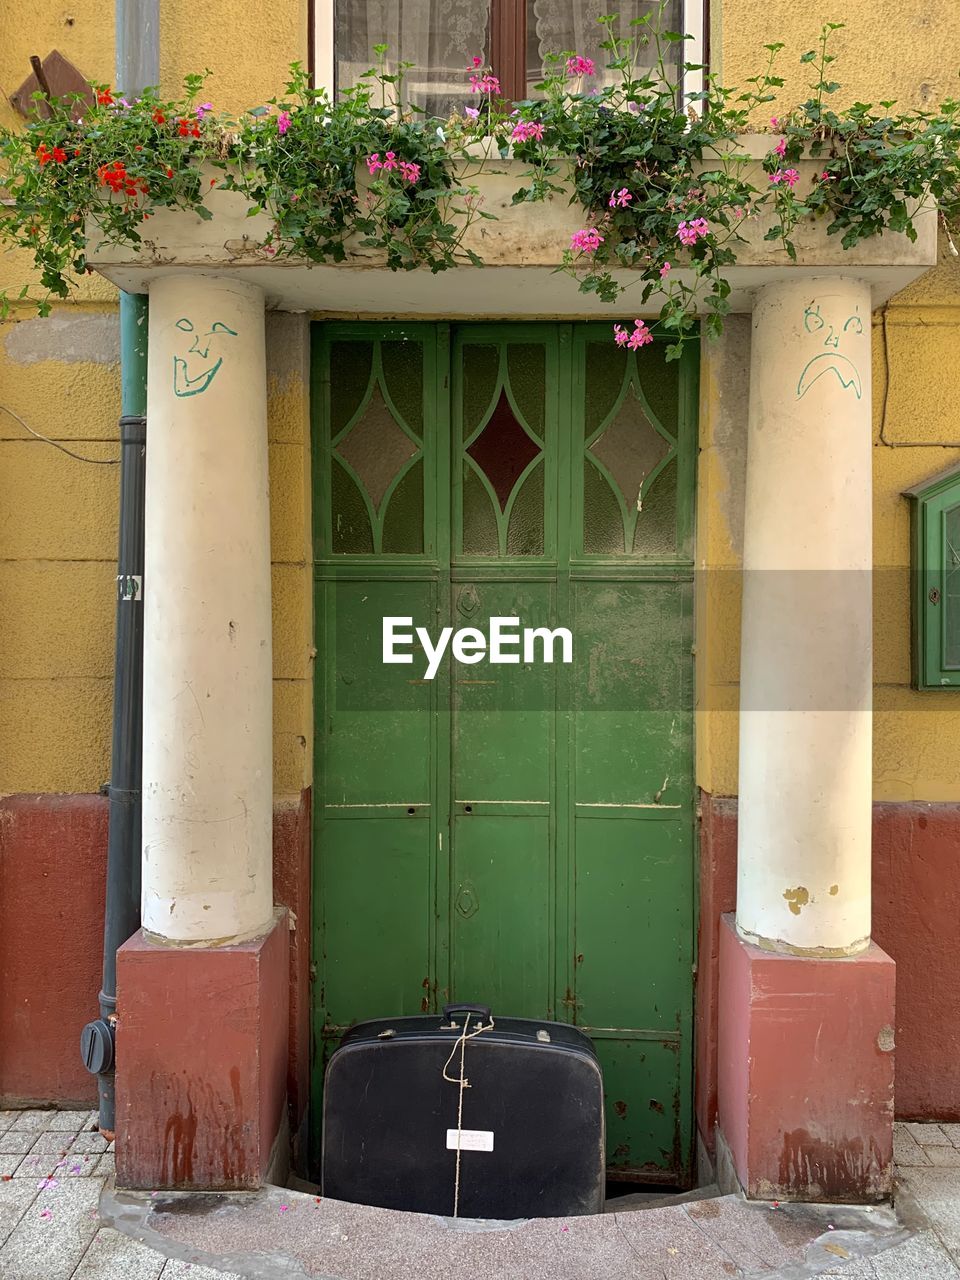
(470, 1139)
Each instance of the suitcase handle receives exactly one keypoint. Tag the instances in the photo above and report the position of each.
(478, 1010)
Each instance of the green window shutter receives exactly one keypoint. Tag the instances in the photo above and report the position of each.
(935, 550)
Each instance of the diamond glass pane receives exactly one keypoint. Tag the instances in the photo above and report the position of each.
(376, 448)
(503, 450)
(630, 448)
(951, 584)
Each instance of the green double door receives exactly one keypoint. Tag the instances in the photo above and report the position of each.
(518, 834)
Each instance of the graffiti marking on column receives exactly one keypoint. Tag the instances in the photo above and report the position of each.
(183, 383)
(831, 360)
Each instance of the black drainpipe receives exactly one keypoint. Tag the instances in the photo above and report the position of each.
(137, 67)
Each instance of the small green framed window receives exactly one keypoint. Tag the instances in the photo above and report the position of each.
(935, 553)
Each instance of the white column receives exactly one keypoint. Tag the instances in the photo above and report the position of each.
(806, 675)
(207, 697)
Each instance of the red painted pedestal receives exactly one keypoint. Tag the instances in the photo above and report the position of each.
(806, 1072)
(201, 1061)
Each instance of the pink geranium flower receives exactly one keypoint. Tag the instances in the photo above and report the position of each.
(484, 84)
(688, 233)
(578, 66)
(620, 199)
(409, 171)
(588, 240)
(665, 271)
(527, 129)
(781, 147)
(640, 336)
(283, 122)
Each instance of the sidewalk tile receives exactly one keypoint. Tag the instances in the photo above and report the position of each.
(107, 1168)
(177, 1270)
(78, 1165)
(31, 1120)
(72, 1121)
(113, 1256)
(928, 1135)
(921, 1256)
(17, 1141)
(15, 1199)
(49, 1248)
(9, 1163)
(90, 1143)
(953, 1133)
(906, 1150)
(52, 1143)
(6, 1119)
(945, 1157)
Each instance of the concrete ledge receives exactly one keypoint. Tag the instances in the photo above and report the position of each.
(521, 251)
(806, 1072)
(201, 1061)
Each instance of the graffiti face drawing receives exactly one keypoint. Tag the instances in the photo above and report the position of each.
(831, 359)
(199, 357)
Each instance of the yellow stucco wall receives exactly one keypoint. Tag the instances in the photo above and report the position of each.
(58, 516)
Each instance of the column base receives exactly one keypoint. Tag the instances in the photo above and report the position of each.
(806, 1072)
(201, 1079)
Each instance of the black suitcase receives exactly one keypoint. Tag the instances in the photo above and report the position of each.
(528, 1122)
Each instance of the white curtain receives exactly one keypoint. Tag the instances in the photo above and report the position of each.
(441, 38)
(560, 25)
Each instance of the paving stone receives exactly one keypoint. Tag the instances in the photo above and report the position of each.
(33, 1120)
(177, 1270)
(107, 1168)
(17, 1141)
(906, 1150)
(953, 1133)
(15, 1199)
(56, 1144)
(32, 1166)
(923, 1255)
(6, 1119)
(8, 1164)
(80, 1166)
(937, 1192)
(72, 1121)
(89, 1143)
(50, 1247)
(113, 1256)
(928, 1135)
(944, 1157)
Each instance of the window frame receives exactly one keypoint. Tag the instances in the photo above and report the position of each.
(508, 20)
(929, 503)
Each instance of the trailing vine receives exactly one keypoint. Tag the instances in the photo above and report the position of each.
(666, 190)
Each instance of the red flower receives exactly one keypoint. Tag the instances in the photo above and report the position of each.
(169, 173)
(77, 152)
(104, 97)
(44, 155)
(183, 127)
(159, 117)
(59, 155)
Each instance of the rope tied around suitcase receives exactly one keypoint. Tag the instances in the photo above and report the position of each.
(461, 1043)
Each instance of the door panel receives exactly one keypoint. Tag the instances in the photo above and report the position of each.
(519, 834)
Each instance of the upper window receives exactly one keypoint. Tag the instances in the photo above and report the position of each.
(441, 37)
(935, 529)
